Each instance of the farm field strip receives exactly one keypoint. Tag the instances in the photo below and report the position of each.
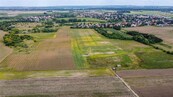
(87, 42)
(96, 51)
(50, 54)
(4, 51)
(155, 82)
(66, 87)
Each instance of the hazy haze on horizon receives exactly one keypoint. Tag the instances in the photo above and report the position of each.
(85, 2)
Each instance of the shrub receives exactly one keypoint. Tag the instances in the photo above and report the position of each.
(16, 40)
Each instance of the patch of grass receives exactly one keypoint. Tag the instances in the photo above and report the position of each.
(155, 60)
(101, 62)
(11, 74)
(79, 59)
(100, 72)
(86, 43)
(42, 36)
(126, 61)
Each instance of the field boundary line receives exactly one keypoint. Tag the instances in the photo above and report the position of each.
(6, 56)
(125, 83)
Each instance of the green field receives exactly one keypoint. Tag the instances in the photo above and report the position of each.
(156, 13)
(92, 50)
(147, 56)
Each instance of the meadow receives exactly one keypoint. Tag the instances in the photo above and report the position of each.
(155, 13)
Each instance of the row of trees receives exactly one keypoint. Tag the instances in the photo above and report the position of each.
(113, 35)
(144, 38)
(69, 20)
(5, 26)
(140, 37)
(43, 29)
(159, 48)
(47, 27)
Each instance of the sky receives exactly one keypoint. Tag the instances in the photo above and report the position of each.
(85, 2)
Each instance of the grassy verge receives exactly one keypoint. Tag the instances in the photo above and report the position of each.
(11, 75)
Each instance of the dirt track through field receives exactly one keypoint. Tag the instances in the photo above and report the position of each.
(66, 87)
(51, 54)
(150, 83)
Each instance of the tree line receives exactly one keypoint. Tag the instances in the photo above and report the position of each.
(114, 35)
(69, 20)
(140, 37)
(144, 38)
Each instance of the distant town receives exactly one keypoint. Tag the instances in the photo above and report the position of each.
(114, 18)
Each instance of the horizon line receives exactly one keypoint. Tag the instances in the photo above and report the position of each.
(94, 5)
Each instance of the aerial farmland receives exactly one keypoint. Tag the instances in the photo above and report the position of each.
(85, 53)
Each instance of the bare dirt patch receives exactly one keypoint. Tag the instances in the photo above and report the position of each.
(51, 54)
(105, 42)
(150, 83)
(66, 87)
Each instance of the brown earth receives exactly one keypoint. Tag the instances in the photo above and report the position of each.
(51, 54)
(150, 83)
(65, 87)
(165, 33)
(4, 50)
